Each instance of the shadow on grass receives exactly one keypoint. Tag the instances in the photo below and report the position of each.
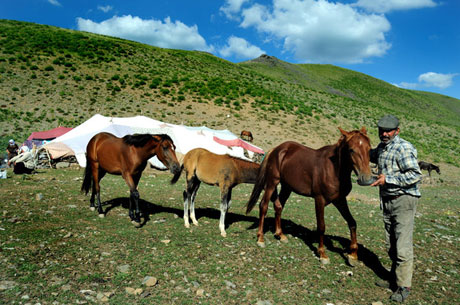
(309, 237)
(365, 255)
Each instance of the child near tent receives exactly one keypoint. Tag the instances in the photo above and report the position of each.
(12, 149)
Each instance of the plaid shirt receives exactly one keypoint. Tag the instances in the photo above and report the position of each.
(397, 160)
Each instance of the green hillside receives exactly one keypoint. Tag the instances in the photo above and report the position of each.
(51, 76)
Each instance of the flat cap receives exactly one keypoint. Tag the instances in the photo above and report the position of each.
(388, 122)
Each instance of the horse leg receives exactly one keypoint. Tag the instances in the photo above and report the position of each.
(185, 194)
(135, 217)
(98, 193)
(189, 200)
(320, 203)
(279, 203)
(93, 166)
(192, 202)
(344, 210)
(136, 179)
(92, 207)
(263, 207)
(98, 173)
(133, 199)
(226, 196)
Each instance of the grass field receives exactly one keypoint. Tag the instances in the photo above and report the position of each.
(54, 250)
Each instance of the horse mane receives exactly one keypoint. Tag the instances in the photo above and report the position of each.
(140, 140)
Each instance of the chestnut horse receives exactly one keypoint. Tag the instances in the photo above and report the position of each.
(223, 171)
(324, 174)
(246, 135)
(127, 156)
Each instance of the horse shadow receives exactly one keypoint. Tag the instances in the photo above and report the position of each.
(309, 237)
(147, 208)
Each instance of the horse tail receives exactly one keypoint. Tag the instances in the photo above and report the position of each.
(259, 185)
(177, 175)
(87, 178)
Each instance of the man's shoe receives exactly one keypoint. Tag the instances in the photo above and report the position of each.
(383, 283)
(400, 294)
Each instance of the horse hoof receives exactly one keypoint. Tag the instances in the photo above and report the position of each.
(136, 223)
(224, 234)
(324, 261)
(261, 244)
(352, 261)
(187, 225)
(284, 239)
(92, 209)
(102, 215)
(195, 223)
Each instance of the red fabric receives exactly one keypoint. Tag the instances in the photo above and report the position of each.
(49, 134)
(240, 143)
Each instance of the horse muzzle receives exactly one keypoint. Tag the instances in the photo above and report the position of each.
(175, 168)
(365, 180)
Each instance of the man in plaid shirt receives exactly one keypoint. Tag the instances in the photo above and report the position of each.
(398, 179)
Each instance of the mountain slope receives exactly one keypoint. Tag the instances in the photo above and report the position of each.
(51, 76)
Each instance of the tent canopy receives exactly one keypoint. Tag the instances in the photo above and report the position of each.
(49, 134)
(185, 138)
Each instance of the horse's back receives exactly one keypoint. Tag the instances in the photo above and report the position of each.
(208, 166)
(293, 152)
(107, 150)
(301, 167)
(102, 139)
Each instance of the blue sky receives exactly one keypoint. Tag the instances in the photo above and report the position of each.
(409, 43)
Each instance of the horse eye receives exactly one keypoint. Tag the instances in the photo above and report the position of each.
(351, 151)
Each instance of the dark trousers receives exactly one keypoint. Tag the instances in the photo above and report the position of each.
(20, 168)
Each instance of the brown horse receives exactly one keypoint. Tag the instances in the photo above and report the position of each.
(324, 174)
(246, 135)
(429, 167)
(223, 171)
(127, 156)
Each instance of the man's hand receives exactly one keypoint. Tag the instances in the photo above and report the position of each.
(380, 180)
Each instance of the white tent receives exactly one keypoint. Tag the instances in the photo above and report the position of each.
(185, 138)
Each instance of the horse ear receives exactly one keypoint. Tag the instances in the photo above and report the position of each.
(363, 130)
(343, 131)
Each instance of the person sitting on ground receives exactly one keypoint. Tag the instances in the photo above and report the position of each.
(12, 149)
(24, 163)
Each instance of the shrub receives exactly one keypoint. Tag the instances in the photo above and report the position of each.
(49, 68)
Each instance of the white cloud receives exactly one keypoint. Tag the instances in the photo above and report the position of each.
(429, 80)
(232, 7)
(321, 31)
(406, 85)
(105, 9)
(54, 2)
(165, 34)
(240, 48)
(383, 6)
(439, 80)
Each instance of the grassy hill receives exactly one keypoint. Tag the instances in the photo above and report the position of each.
(51, 76)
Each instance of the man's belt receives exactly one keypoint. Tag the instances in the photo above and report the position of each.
(390, 197)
